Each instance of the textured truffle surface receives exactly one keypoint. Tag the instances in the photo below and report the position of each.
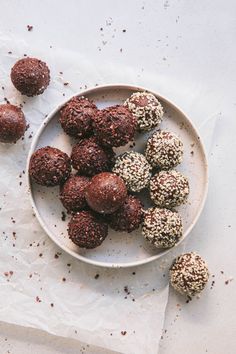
(146, 108)
(87, 230)
(12, 123)
(134, 169)
(169, 189)
(49, 166)
(189, 274)
(72, 193)
(115, 126)
(164, 150)
(162, 227)
(30, 76)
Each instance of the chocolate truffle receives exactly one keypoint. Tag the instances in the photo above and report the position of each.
(189, 274)
(76, 117)
(169, 189)
(129, 216)
(162, 227)
(106, 193)
(146, 108)
(90, 158)
(87, 230)
(12, 123)
(72, 193)
(164, 150)
(49, 166)
(30, 76)
(134, 169)
(115, 126)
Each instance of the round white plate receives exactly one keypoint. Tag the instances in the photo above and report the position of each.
(120, 249)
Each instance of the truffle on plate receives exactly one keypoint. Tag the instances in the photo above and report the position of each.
(72, 193)
(134, 169)
(49, 166)
(106, 193)
(169, 189)
(164, 150)
(129, 216)
(12, 123)
(87, 230)
(146, 108)
(162, 227)
(76, 117)
(115, 126)
(30, 76)
(189, 274)
(90, 158)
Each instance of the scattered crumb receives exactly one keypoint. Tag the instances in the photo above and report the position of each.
(96, 276)
(30, 28)
(64, 279)
(38, 299)
(63, 216)
(66, 83)
(52, 305)
(123, 333)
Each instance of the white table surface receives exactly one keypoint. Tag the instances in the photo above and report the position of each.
(189, 47)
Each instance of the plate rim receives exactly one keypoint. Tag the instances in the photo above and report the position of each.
(35, 209)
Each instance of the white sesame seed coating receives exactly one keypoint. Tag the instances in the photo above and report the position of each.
(164, 150)
(169, 189)
(162, 227)
(189, 274)
(134, 169)
(146, 108)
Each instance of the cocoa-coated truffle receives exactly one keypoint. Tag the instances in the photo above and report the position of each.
(12, 123)
(87, 230)
(76, 117)
(49, 166)
(189, 274)
(164, 150)
(129, 216)
(162, 227)
(146, 108)
(30, 76)
(134, 169)
(72, 193)
(90, 158)
(169, 189)
(106, 193)
(115, 126)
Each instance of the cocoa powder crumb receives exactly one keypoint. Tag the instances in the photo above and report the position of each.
(96, 276)
(123, 333)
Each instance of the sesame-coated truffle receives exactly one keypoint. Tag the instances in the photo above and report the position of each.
(106, 193)
(12, 123)
(129, 216)
(169, 189)
(189, 274)
(76, 117)
(162, 227)
(115, 126)
(30, 76)
(49, 166)
(164, 150)
(90, 158)
(87, 230)
(146, 108)
(72, 193)
(134, 169)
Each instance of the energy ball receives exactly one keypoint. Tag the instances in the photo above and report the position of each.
(129, 216)
(189, 274)
(30, 76)
(134, 169)
(90, 158)
(72, 193)
(164, 150)
(146, 108)
(87, 230)
(162, 227)
(106, 193)
(115, 126)
(12, 123)
(49, 166)
(76, 117)
(169, 189)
